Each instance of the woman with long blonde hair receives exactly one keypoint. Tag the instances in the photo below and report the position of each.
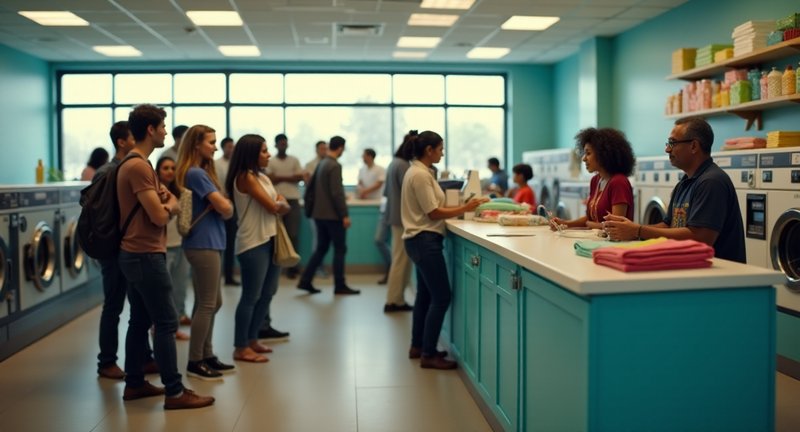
(203, 245)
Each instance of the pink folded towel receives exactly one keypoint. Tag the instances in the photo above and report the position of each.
(667, 255)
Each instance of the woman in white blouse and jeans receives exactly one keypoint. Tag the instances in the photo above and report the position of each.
(258, 206)
(423, 215)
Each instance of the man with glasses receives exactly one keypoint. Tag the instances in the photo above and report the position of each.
(703, 206)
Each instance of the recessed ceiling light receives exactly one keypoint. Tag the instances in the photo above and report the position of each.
(239, 50)
(520, 22)
(447, 4)
(214, 18)
(432, 20)
(418, 42)
(54, 18)
(117, 50)
(487, 53)
(410, 54)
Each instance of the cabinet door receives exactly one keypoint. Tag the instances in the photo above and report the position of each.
(554, 330)
(499, 344)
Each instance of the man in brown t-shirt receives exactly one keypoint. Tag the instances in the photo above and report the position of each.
(142, 260)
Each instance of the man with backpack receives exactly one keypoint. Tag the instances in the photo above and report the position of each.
(142, 259)
(114, 283)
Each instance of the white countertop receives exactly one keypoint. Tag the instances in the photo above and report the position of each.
(553, 257)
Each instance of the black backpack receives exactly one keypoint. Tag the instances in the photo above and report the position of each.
(98, 225)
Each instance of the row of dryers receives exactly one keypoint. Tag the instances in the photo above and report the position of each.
(767, 183)
(39, 247)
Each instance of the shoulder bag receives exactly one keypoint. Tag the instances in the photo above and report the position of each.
(185, 222)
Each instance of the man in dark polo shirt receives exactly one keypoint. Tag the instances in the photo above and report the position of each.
(703, 206)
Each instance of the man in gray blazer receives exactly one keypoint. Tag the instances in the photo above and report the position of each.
(326, 197)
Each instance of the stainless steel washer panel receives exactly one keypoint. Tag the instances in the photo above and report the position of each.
(784, 247)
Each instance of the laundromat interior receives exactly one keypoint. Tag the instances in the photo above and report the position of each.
(541, 344)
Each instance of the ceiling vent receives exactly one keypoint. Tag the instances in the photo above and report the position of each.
(362, 30)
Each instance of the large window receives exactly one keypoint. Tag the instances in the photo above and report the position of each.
(370, 110)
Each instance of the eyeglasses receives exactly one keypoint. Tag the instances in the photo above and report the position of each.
(672, 143)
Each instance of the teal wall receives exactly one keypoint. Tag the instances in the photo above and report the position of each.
(643, 58)
(26, 115)
(565, 81)
(531, 114)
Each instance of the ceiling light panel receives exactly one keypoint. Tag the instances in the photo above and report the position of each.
(418, 42)
(432, 20)
(214, 18)
(410, 54)
(55, 18)
(239, 50)
(447, 4)
(530, 23)
(117, 50)
(487, 53)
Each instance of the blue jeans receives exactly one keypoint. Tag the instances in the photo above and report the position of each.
(115, 288)
(382, 236)
(259, 285)
(433, 290)
(150, 296)
(328, 231)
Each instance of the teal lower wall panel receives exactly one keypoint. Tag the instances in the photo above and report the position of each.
(361, 249)
(788, 329)
(683, 361)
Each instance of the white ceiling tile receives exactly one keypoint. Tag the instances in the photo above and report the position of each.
(641, 13)
(507, 39)
(597, 11)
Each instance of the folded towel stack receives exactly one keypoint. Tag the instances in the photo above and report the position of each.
(751, 36)
(743, 143)
(664, 255)
(783, 139)
(585, 248)
(705, 55)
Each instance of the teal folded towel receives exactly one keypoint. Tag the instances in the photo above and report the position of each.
(584, 248)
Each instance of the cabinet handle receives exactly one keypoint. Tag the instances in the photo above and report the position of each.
(476, 261)
(516, 282)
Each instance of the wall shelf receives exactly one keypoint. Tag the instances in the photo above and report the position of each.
(768, 54)
(750, 111)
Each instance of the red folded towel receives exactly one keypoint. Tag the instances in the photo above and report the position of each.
(668, 255)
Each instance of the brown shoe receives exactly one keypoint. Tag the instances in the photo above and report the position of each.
(111, 372)
(150, 367)
(415, 353)
(187, 400)
(147, 390)
(185, 320)
(437, 363)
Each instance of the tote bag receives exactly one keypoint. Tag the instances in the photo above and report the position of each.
(285, 255)
(185, 222)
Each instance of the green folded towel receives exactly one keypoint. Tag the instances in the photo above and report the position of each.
(584, 248)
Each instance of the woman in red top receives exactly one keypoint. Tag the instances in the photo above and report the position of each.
(608, 153)
(523, 193)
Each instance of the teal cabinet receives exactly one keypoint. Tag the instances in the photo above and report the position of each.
(543, 358)
(554, 327)
(361, 249)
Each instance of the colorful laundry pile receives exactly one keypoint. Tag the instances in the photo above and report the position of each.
(663, 255)
(751, 36)
(744, 143)
(783, 139)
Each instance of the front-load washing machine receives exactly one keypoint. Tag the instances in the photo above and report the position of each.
(779, 177)
(8, 253)
(573, 199)
(655, 179)
(38, 247)
(741, 167)
(73, 261)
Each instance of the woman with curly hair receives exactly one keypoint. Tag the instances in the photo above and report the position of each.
(607, 153)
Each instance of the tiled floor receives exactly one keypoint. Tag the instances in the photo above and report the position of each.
(345, 369)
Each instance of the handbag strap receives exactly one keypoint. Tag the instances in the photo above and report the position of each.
(200, 216)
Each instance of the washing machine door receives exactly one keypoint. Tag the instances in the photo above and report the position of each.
(654, 212)
(784, 247)
(40, 257)
(562, 211)
(544, 197)
(74, 257)
(5, 269)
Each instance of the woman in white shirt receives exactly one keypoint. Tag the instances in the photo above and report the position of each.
(423, 214)
(257, 205)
